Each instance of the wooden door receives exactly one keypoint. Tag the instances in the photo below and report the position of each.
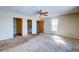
(19, 26)
(40, 25)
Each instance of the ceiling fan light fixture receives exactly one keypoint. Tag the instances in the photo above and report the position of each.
(41, 13)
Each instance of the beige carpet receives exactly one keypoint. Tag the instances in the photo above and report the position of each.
(43, 43)
(13, 42)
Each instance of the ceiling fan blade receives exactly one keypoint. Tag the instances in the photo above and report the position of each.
(45, 13)
(34, 12)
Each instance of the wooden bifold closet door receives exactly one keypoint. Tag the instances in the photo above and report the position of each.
(40, 26)
(17, 26)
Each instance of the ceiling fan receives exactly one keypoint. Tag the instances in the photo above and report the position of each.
(40, 12)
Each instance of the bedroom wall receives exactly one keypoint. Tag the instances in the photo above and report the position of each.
(6, 24)
(68, 25)
(34, 26)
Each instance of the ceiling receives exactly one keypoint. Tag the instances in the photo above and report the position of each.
(30, 10)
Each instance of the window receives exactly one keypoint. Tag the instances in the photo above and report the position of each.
(54, 24)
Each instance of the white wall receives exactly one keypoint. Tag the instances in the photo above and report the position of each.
(47, 25)
(25, 27)
(34, 26)
(68, 25)
(6, 24)
(6, 30)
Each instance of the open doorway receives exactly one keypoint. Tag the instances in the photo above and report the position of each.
(40, 26)
(29, 24)
(17, 26)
